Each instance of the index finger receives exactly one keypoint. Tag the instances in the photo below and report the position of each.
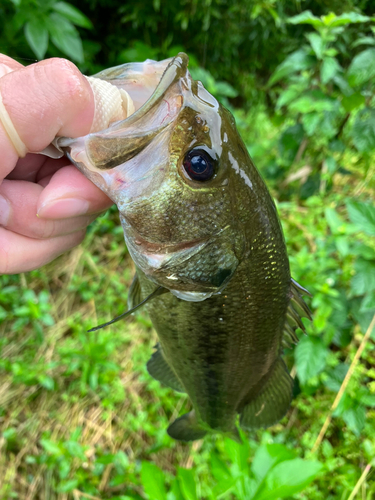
(43, 100)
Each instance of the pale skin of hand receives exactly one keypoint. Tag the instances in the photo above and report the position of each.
(45, 204)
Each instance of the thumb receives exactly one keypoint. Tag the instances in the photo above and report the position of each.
(43, 100)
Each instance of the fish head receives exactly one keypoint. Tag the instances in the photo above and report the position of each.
(174, 170)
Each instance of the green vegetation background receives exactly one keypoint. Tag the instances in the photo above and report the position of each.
(79, 416)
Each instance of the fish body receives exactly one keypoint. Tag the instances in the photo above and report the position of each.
(200, 223)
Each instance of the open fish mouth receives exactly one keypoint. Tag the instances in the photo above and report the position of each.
(152, 88)
(129, 158)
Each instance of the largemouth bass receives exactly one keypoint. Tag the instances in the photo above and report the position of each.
(202, 227)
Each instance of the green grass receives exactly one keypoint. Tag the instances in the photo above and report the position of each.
(80, 417)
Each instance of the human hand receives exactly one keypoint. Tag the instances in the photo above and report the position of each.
(45, 204)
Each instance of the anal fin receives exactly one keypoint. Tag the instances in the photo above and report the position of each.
(186, 428)
(158, 368)
(271, 404)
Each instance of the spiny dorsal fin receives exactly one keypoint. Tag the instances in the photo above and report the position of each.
(297, 309)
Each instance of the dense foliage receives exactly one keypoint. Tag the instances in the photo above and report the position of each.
(79, 415)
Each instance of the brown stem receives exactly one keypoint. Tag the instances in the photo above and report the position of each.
(344, 385)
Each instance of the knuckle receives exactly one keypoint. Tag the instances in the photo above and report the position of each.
(78, 237)
(47, 230)
(67, 81)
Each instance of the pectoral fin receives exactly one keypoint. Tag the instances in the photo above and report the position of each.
(186, 428)
(134, 294)
(158, 368)
(273, 401)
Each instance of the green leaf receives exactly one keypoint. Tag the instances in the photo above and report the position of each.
(364, 251)
(219, 468)
(67, 486)
(365, 40)
(362, 215)
(367, 399)
(225, 89)
(336, 377)
(368, 303)
(139, 51)
(37, 37)
(316, 42)
(290, 141)
(355, 417)
(349, 18)
(224, 485)
(47, 382)
(238, 453)
(362, 68)
(153, 481)
(311, 355)
(311, 122)
(313, 100)
(297, 61)
(176, 490)
(306, 18)
(268, 456)
(331, 165)
(51, 447)
(288, 478)
(73, 14)
(353, 101)
(364, 279)
(335, 222)
(187, 483)
(65, 36)
(363, 130)
(343, 85)
(288, 95)
(330, 67)
(363, 318)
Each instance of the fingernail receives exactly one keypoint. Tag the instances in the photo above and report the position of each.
(4, 211)
(64, 208)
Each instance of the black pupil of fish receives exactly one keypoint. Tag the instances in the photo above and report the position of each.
(199, 166)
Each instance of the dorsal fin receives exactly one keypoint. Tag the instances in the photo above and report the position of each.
(297, 309)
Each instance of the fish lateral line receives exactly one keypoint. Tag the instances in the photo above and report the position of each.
(159, 291)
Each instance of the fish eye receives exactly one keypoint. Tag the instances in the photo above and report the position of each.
(199, 165)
